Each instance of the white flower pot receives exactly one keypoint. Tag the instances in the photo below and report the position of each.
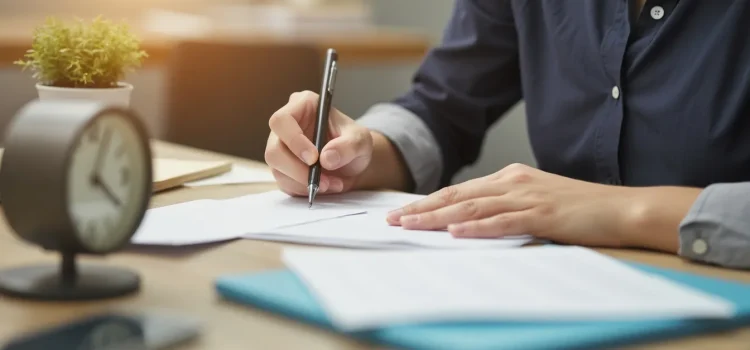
(119, 96)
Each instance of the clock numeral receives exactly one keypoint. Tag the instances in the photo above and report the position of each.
(124, 176)
(94, 133)
(81, 143)
(119, 151)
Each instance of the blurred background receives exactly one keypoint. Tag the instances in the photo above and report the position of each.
(219, 68)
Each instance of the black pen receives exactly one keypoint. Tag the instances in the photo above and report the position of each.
(321, 124)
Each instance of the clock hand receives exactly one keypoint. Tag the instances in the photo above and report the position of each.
(104, 146)
(96, 177)
(108, 191)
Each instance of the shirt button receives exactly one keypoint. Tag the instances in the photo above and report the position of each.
(615, 92)
(700, 246)
(657, 12)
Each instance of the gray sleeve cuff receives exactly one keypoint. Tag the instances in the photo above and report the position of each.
(413, 139)
(717, 228)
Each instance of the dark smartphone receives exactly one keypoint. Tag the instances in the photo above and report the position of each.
(113, 331)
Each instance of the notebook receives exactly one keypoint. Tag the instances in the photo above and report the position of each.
(281, 292)
(170, 173)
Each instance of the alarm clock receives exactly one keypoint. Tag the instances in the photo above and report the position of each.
(75, 178)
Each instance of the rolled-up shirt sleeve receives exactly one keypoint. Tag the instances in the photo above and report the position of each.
(460, 89)
(717, 228)
(412, 138)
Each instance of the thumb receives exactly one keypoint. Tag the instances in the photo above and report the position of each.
(353, 147)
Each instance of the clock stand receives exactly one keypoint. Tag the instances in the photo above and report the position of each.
(68, 280)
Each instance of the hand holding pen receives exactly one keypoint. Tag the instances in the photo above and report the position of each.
(291, 151)
(320, 132)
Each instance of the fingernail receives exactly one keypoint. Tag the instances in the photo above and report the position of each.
(337, 185)
(325, 184)
(395, 215)
(308, 158)
(456, 229)
(332, 158)
(409, 219)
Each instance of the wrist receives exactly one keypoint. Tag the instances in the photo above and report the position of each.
(651, 217)
(387, 169)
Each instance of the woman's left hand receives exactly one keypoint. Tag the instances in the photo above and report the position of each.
(521, 200)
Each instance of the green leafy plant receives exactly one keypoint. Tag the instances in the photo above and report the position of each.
(82, 55)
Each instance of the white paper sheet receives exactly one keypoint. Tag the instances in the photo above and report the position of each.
(194, 222)
(362, 289)
(370, 230)
(370, 200)
(238, 175)
(207, 221)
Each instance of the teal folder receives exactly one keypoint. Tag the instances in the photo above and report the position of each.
(281, 292)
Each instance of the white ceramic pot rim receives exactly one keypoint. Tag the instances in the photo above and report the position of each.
(121, 86)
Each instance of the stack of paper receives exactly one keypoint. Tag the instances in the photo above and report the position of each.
(206, 221)
(355, 219)
(364, 289)
(370, 230)
(369, 200)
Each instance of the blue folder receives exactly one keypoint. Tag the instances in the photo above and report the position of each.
(281, 292)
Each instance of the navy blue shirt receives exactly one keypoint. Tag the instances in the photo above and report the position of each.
(612, 96)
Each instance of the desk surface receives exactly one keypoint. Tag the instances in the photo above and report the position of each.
(377, 45)
(183, 280)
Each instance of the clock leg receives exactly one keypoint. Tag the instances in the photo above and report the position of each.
(68, 281)
(68, 269)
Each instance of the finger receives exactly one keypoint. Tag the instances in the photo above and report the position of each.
(514, 223)
(292, 187)
(280, 158)
(302, 106)
(353, 144)
(288, 185)
(469, 210)
(447, 196)
(289, 132)
(336, 184)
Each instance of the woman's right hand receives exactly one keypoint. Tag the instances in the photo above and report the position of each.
(290, 151)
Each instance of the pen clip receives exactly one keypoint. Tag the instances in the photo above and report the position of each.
(332, 77)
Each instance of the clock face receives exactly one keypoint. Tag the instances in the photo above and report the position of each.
(106, 189)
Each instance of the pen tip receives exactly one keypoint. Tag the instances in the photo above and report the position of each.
(312, 191)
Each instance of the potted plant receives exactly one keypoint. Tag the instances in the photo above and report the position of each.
(82, 60)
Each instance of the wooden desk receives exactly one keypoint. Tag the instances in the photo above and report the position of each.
(185, 282)
(380, 45)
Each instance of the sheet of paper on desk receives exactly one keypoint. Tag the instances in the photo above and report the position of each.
(370, 230)
(194, 222)
(207, 221)
(370, 200)
(362, 289)
(238, 175)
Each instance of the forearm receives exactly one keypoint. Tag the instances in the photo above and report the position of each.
(652, 221)
(387, 169)
(406, 155)
(710, 225)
